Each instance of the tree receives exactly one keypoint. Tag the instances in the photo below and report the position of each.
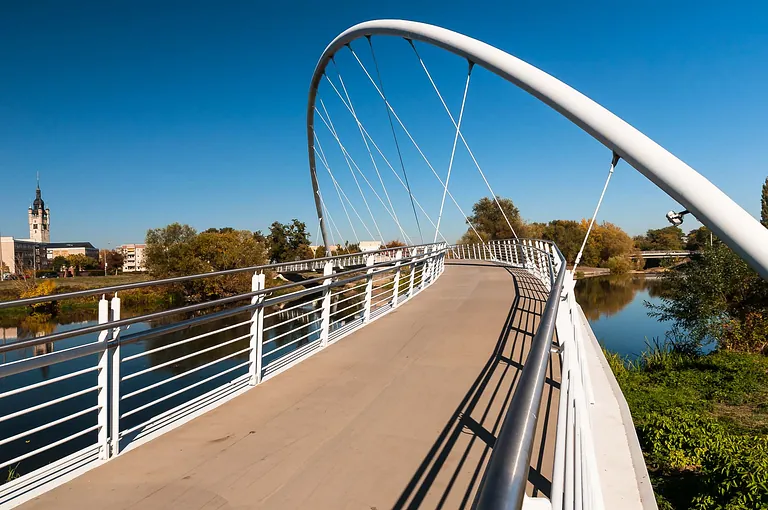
(288, 242)
(567, 235)
(395, 243)
(59, 263)
(489, 221)
(178, 250)
(716, 296)
(79, 262)
(699, 238)
(320, 252)
(764, 204)
(667, 238)
(169, 251)
(114, 260)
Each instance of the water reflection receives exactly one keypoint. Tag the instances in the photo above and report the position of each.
(604, 296)
(614, 306)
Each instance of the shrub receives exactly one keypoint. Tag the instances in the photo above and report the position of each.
(619, 264)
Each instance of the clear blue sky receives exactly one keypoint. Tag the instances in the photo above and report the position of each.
(138, 114)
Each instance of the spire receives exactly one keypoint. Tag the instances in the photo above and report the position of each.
(38, 180)
(38, 204)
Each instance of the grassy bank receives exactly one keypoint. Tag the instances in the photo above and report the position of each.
(703, 426)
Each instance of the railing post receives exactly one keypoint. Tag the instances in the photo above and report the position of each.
(413, 278)
(115, 361)
(257, 329)
(368, 290)
(103, 382)
(396, 289)
(326, 313)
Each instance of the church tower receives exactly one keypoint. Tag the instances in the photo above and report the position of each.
(39, 219)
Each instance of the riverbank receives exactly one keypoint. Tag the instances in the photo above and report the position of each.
(703, 426)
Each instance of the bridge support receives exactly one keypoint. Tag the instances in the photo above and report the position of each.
(115, 362)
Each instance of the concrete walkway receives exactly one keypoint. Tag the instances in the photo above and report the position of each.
(397, 415)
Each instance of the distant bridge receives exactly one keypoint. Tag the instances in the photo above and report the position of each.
(664, 254)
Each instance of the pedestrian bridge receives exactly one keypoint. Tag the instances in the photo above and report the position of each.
(427, 376)
(394, 386)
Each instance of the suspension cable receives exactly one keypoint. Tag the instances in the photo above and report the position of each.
(329, 125)
(328, 213)
(340, 190)
(416, 145)
(461, 135)
(379, 151)
(614, 162)
(394, 135)
(349, 159)
(324, 161)
(453, 148)
(370, 154)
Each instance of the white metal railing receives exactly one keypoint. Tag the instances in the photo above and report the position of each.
(119, 383)
(576, 481)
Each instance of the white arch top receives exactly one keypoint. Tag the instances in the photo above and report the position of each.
(729, 221)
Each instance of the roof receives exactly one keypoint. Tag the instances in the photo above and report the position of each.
(70, 245)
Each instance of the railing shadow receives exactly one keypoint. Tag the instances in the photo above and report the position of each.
(450, 473)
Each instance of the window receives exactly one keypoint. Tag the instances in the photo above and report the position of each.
(35, 226)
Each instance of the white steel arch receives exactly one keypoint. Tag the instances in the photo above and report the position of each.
(729, 221)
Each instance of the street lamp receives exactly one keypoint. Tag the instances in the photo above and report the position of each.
(676, 218)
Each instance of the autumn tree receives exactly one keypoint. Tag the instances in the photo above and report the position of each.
(114, 260)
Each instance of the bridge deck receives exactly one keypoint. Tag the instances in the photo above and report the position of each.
(399, 414)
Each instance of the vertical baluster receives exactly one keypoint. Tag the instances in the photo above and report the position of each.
(103, 382)
(115, 360)
(257, 330)
(325, 314)
(368, 290)
(396, 289)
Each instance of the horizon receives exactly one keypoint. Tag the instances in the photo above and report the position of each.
(137, 118)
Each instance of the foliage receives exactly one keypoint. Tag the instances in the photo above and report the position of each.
(667, 238)
(80, 262)
(320, 252)
(177, 250)
(619, 264)
(59, 263)
(764, 204)
(489, 221)
(702, 425)
(699, 239)
(32, 289)
(288, 242)
(716, 297)
(395, 243)
(114, 260)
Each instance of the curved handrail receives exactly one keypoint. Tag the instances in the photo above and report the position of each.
(180, 279)
(56, 337)
(505, 478)
(729, 221)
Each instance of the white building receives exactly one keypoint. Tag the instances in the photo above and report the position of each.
(133, 257)
(18, 254)
(366, 246)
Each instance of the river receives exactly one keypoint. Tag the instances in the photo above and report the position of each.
(615, 308)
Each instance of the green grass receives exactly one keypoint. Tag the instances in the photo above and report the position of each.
(703, 425)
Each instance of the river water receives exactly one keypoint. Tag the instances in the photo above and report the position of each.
(615, 308)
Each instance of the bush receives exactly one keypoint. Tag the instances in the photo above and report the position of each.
(619, 264)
